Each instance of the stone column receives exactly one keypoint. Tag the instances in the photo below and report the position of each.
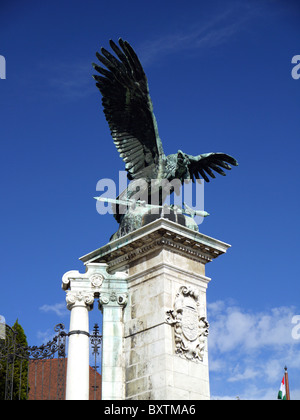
(77, 384)
(113, 362)
(81, 289)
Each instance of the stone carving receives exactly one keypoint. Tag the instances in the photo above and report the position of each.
(77, 297)
(96, 280)
(119, 298)
(190, 328)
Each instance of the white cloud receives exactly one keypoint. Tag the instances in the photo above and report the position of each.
(233, 327)
(44, 337)
(248, 350)
(69, 82)
(248, 373)
(74, 84)
(58, 308)
(204, 33)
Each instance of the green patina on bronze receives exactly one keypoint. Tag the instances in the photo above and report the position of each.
(129, 112)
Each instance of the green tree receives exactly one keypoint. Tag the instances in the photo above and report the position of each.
(21, 364)
(3, 355)
(13, 363)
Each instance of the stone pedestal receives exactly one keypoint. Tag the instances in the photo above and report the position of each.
(163, 353)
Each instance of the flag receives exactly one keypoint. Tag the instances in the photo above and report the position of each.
(282, 393)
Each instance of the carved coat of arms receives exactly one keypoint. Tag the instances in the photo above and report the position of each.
(190, 328)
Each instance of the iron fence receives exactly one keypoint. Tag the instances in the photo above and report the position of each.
(39, 372)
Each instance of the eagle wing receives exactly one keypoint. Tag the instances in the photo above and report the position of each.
(206, 163)
(128, 110)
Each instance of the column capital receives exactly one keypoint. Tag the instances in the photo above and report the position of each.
(79, 298)
(113, 298)
(82, 288)
(92, 278)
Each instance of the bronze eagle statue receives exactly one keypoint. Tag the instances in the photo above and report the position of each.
(129, 112)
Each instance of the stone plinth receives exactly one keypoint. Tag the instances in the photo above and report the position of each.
(165, 328)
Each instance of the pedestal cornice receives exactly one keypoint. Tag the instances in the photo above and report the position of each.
(160, 233)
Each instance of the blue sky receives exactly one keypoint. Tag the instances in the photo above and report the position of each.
(220, 80)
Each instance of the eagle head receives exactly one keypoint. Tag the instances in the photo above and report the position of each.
(182, 164)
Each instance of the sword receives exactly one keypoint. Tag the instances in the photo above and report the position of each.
(132, 203)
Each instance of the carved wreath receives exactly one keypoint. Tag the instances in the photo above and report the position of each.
(190, 328)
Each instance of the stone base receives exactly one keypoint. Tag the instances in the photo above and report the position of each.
(165, 328)
(153, 369)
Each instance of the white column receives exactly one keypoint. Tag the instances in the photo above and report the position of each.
(77, 386)
(112, 291)
(113, 365)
